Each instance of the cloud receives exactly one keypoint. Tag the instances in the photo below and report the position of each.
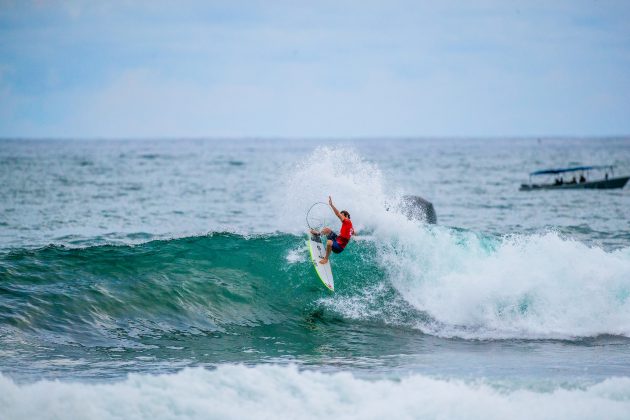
(255, 68)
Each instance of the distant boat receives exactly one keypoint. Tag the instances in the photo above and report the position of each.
(578, 177)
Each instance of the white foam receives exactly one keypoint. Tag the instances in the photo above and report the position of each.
(470, 284)
(523, 286)
(236, 392)
(296, 255)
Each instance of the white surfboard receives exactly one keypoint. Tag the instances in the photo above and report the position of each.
(318, 251)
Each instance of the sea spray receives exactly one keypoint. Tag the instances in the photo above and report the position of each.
(467, 284)
(354, 183)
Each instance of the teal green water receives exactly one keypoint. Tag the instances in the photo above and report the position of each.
(111, 304)
(147, 258)
(104, 311)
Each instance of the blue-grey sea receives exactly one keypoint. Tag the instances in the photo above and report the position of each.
(171, 279)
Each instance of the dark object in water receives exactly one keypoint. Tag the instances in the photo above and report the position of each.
(417, 208)
(583, 183)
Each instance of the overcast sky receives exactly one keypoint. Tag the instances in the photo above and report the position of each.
(314, 68)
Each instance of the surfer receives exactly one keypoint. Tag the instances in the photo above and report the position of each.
(336, 242)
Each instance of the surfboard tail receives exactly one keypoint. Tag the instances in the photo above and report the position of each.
(317, 251)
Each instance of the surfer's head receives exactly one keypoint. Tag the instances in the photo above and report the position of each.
(345, 213)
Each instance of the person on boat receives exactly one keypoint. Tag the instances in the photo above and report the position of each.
(582, 179)
(573, 180)
(336, 242)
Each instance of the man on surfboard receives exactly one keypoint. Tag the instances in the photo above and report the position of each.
(336, 242)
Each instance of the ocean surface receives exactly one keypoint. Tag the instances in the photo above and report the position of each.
(170, 279)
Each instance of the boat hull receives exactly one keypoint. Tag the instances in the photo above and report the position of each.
(604, 184)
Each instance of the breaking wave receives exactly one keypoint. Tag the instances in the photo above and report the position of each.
(235, 391)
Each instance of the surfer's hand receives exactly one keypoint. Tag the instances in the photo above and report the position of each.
(330, 200)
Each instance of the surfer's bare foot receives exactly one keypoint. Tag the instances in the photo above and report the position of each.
(323, 261)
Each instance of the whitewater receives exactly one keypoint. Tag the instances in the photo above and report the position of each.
(170, 279)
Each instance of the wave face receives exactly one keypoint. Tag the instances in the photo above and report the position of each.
(233, 391)
(210, 283)
(439, 281)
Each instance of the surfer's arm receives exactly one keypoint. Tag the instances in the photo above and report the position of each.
(332, 206)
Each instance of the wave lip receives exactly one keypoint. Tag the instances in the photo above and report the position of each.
(235, 391)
